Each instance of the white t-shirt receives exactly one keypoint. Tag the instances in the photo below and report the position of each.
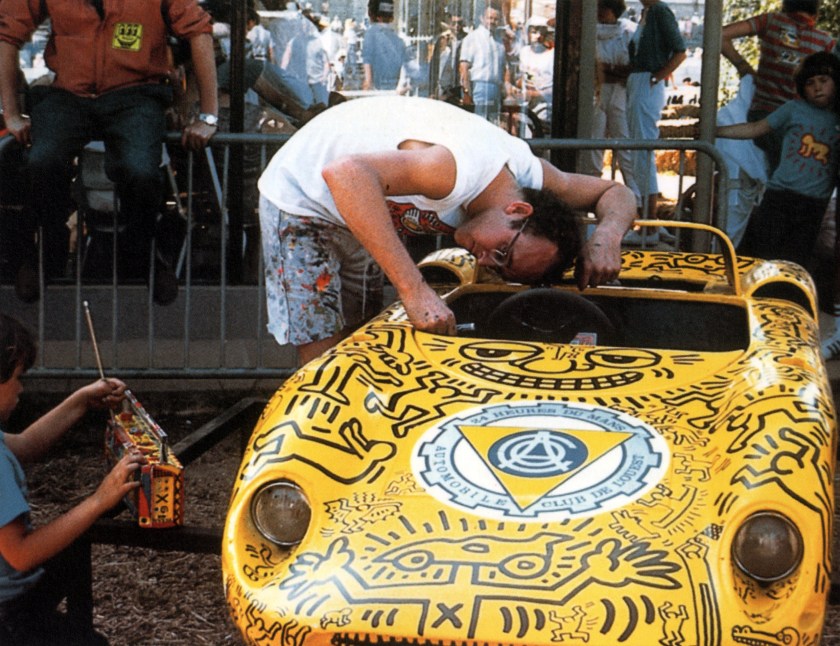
(293, 182)
(537, 64)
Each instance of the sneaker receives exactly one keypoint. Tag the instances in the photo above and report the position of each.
(830, 347)
(635, 238)
(27, 284)
(164, 283)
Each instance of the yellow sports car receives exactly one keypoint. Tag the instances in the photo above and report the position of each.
(646, 463)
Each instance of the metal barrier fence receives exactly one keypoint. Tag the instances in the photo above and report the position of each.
(217, 326)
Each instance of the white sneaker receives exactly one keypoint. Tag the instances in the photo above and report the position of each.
(830, 347)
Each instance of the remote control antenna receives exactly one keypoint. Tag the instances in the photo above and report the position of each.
(95, 345)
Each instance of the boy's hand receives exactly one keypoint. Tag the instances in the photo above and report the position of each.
(118, 482)
(105, 393)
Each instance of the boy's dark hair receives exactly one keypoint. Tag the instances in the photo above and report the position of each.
(808, 6)
(815, 65)
(555, 220)
(17, 347)
(618, 7)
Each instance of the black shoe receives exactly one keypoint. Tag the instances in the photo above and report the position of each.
(27, 284)
(165, 285)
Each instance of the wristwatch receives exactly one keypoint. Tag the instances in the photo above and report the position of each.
(209, 119)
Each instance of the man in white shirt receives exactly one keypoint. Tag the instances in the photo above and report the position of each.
(483, 67)
(336, 196)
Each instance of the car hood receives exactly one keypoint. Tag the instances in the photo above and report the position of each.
(495, 492)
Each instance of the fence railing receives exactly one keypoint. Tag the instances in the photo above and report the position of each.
(216, 328)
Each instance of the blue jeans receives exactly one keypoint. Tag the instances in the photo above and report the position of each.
(132, 124)
(487, 97)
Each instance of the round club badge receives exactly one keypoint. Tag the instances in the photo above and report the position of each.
(539, 461)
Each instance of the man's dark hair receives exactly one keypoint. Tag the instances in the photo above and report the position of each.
(808, 6)
(555, 220)
(815, 65)
(17, 347)
(495, 6)
(381, 9)
(618, 7)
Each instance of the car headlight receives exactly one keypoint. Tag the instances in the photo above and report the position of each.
(767, 547)
(281, 513)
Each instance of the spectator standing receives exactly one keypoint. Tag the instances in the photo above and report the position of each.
(656, 50)
(333, 44)
(745, 163)
(786, 37)
(483, 67)
(38, 565)
(335, 196)
(302, 57)
(112, 74)
(383, 51)
(351, 46)
(786, 223)
(447, 52)
(612, 52)
(259, 37)
(536, 68)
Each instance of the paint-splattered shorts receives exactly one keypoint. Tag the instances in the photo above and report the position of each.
(319, 279)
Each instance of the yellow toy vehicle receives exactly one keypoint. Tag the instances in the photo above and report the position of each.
(644, 463)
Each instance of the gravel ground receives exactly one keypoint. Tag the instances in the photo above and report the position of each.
(145, 597)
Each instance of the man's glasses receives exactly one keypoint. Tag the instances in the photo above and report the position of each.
(501, 257)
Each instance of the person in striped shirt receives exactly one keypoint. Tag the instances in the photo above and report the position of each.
(786, 38)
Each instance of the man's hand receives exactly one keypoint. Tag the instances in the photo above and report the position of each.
(19, 126)
(197, 135)
(427, 312)
(599, 261)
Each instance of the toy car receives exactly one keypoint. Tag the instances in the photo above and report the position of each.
(649, 462)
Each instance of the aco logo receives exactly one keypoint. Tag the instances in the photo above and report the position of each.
(539, 461)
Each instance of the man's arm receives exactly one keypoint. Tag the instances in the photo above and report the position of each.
(466, 87)
(18, 125)
(197, 134)
(615, 207)
(673, 63)
(730, 33)
(367, 83)
(359, 185)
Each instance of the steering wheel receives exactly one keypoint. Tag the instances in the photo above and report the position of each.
(551, 316)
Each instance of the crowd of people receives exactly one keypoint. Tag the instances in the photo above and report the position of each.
(301, 63)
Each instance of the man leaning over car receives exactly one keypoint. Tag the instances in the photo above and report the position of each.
(336, 196)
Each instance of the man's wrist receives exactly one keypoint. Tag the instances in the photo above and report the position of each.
(209, 118)
(743, 67)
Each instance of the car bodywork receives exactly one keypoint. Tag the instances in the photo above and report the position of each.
(518, 485)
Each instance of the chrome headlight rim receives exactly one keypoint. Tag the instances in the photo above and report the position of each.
(794, 557)
(287, 534)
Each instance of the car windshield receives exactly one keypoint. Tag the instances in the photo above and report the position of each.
(564, 316)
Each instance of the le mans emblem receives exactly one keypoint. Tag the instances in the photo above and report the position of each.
(539, 461)
(128, 36)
